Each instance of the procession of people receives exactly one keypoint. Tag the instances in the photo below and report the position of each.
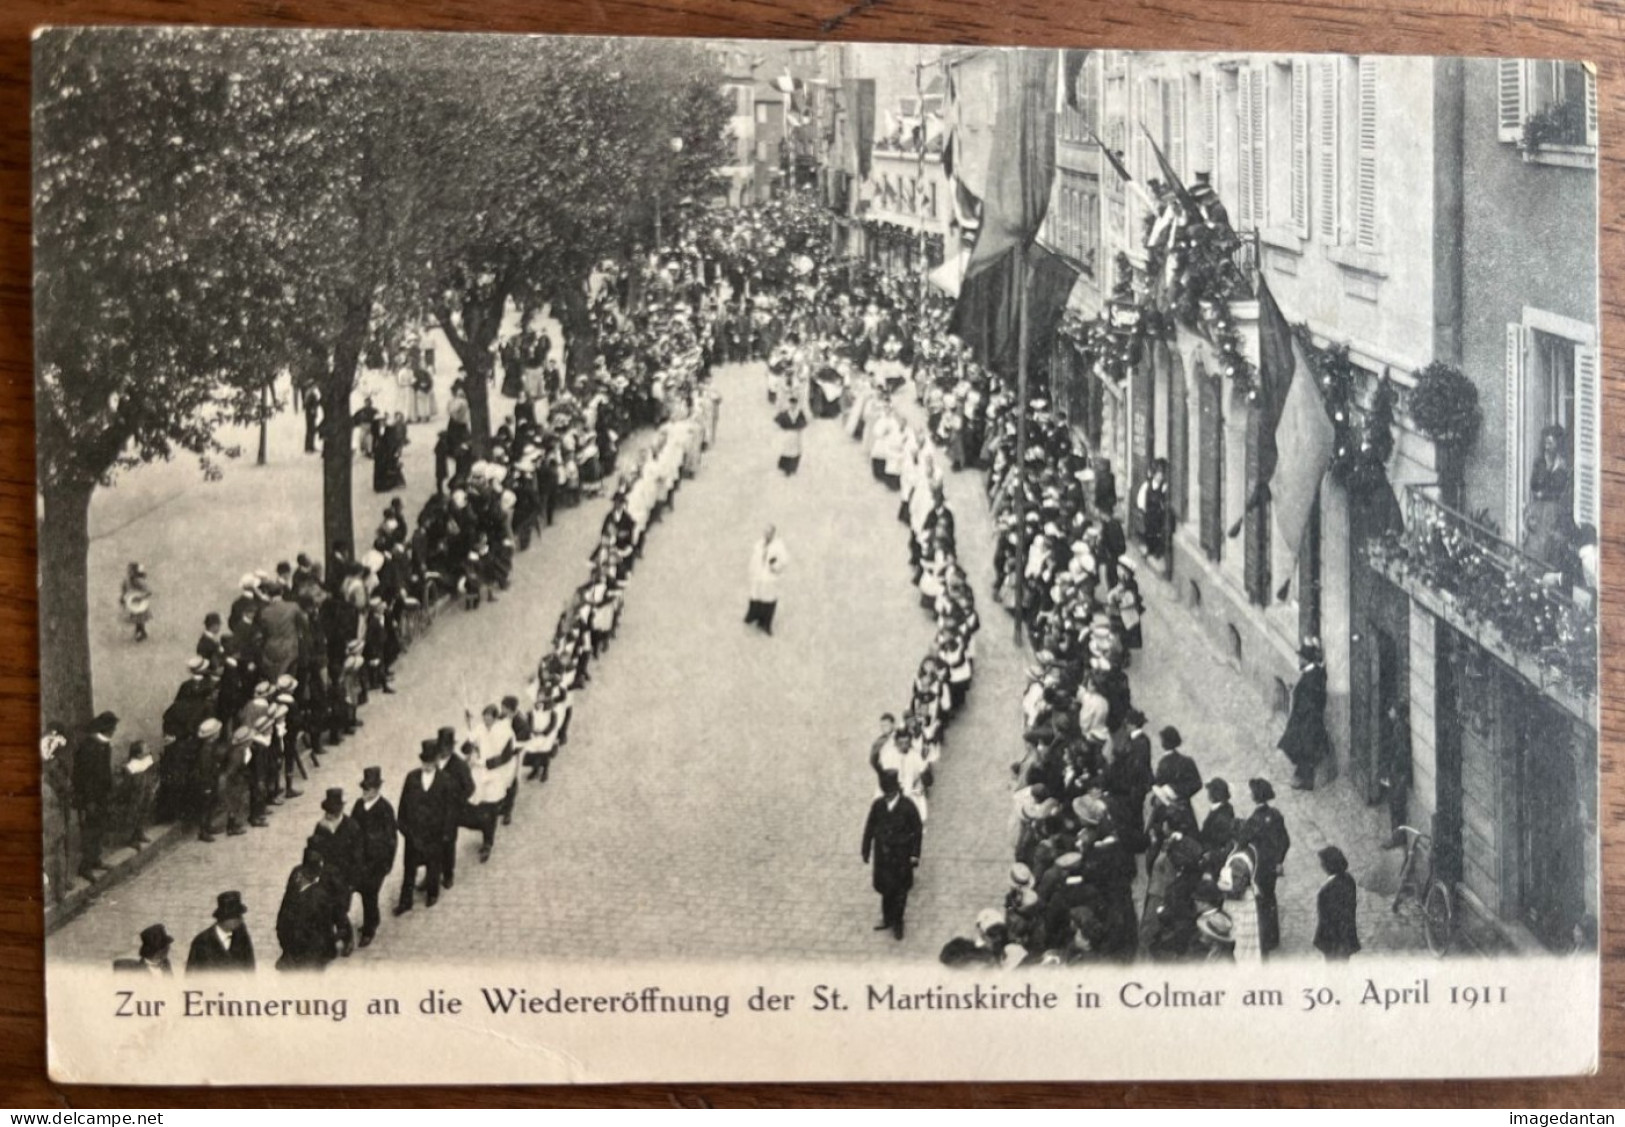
(283, 677)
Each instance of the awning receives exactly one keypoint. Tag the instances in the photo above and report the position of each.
(951, 273)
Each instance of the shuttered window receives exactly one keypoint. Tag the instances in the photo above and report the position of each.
(1210, 124)
(1591, 104)
(1300, 149)
(1174, 102)
(1261, 126)
(1365, 204)
(1587, 437)
(1510, 87)
(1327, 166)
(1246, 127)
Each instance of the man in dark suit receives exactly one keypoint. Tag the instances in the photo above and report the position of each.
(375, 818)
(92, 788)
(312, 925)
(428, 804)
(461, 781)
(337, 838)
(1219, 827)
(153, 957)
(226, 945)
(892, 837)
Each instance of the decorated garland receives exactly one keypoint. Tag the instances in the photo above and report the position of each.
(1360, 453)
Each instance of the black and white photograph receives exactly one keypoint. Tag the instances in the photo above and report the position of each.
(1028, 518)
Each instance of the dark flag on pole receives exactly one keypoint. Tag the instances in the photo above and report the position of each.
(1171, 178)
(1071, 67)
(1112, 158)
(1022, 169)
(1295, 436)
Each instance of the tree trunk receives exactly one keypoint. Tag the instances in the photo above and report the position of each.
(580, 349)
(265, 420)
(338, 490)
(64, 557)
(482, 319)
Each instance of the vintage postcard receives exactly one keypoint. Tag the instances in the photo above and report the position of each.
(581, 560)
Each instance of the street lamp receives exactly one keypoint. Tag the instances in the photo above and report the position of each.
(676, 147)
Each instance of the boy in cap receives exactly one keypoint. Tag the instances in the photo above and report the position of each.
(224, 946)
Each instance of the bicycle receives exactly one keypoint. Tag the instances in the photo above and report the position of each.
(1419, 880)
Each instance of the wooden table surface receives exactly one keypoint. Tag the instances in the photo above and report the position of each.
(1503, 27)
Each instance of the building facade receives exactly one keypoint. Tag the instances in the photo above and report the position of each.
(1413, 212)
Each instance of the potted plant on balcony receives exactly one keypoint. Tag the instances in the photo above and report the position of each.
(1444, 406)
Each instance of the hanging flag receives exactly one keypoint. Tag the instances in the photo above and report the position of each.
(1295, 435)
(863, 121)
(1112, 158)
(1022, 169)
(1050, 278)
(948, 156)
(1171, 178)
(1071, 68)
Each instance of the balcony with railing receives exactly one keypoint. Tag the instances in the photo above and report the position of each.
(1528, 614)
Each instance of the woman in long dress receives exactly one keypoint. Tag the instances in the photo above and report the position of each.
(1550, 515)
(1241, 904)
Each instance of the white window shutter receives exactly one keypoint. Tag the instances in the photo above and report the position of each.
(1515, 468)
(1327, 168)
(1512, 89)
(1300, 149)
(1261, 133)
(1591, 103)
(1587, 437)
(1365, 209)
(1210, 116)
(1244, 130)
(1175, 92)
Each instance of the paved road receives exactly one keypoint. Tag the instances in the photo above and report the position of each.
(711, 802)
(712, 798)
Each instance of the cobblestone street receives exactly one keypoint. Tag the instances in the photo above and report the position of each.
(711, 800)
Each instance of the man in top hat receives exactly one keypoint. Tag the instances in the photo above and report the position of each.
(429, 803)
(892, 836)
(1305, 740)
(225, 945)
(153, 958)
(337, 838)
(92, 789)
(374, 817)
(460, 779)
(312, 925)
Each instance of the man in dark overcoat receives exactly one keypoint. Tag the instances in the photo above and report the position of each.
(892, 837)
(375, 818)
(93, 789)
(312, 925)
(1305, 740)
(429, 802)
(224, 945)
(461, 783)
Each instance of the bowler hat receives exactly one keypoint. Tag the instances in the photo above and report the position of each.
(155, 941)
(229, 906)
